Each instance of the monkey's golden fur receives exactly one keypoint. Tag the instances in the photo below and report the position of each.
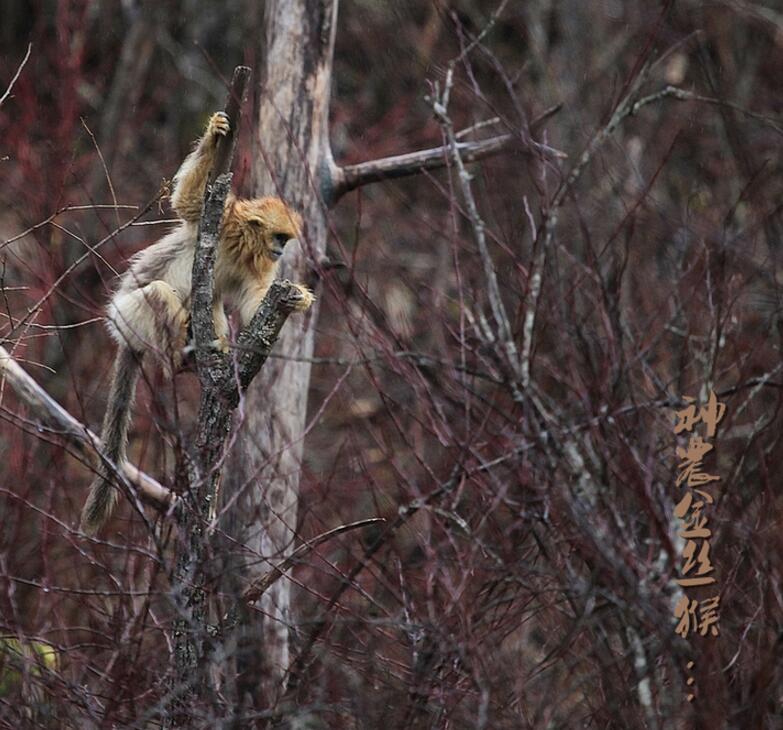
(151, 308)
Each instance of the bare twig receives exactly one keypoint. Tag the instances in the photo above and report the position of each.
(17, 74)
(545, 116)
(66, 209)
(629, 106)
(672, 92)
(440, 107)
(484, 32)
(105, 169)
(266, 581)
(33, 311)
(478, 125)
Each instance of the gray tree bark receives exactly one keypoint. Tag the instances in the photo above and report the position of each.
(293, 161)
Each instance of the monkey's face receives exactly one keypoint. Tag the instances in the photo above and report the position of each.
(268, 225)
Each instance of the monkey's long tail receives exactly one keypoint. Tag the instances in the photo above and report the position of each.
(114, 437)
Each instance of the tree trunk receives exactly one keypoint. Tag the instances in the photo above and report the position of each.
(293, 161)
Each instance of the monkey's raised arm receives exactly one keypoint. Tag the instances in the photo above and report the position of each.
(191, 178)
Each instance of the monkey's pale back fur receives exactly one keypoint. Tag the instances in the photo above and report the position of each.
(151, 308)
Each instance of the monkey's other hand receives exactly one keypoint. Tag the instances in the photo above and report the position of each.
(218, 126)
(221, 344)
(302, 298)
(188, 356)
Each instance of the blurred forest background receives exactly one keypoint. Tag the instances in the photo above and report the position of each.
(533, 583)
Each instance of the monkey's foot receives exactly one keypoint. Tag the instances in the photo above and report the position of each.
(303, 298)
(218, 126)
(173, 364)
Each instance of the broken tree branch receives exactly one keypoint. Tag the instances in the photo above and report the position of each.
(51, 418)
(350, 177)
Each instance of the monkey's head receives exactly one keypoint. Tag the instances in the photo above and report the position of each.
(264, 227)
